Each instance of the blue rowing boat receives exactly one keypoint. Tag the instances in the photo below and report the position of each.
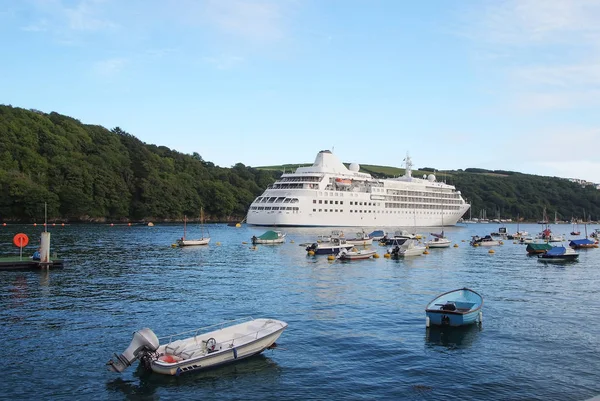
(455, 308)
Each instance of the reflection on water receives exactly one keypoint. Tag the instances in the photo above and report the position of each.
(259, 368)
(452, 337)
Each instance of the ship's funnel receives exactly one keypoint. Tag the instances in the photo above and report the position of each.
(143, 340)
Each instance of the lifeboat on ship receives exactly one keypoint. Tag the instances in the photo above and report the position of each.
(343, 182)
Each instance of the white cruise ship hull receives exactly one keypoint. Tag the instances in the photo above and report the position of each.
(313, 197)
(346, 219)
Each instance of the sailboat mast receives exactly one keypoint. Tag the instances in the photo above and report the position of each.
(184, 225)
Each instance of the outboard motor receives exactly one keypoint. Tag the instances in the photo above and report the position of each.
(144, 340)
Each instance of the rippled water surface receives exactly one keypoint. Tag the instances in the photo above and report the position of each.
(356, 330)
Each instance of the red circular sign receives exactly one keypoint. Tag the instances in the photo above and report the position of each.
(21, 240)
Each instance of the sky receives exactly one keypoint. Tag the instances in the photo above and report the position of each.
(495, 84)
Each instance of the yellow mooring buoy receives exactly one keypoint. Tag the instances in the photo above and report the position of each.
(491, 251)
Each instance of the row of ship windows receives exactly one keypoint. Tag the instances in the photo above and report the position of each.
(331, 202)
(301, 179)
(370, 211)
(274, 199)
(273, 208)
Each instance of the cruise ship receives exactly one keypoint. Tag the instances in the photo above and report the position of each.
(329, 194)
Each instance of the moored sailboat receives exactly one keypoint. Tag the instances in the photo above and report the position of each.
(183, 241)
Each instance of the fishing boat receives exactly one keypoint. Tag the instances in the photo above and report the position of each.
(354, 254)
(269, 238)
(183, 241)
(199, 349)
(332, 247)
(455, 308)
(558, 254)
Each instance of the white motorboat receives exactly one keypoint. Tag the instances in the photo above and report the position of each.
(410, 247)
(201, 348)
(332, 247)
(355, 254)
(484, 241)
(269, 238)
(438, 241)
(362, 238)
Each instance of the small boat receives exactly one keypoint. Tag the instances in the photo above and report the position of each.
(438, 241)
(377, 235)
(537, 248)
(558, 254)
(199, 349)
(183, 241)
(410, 247)
(398, 235)
(455, 308)
(583, 243)
(526, 240)
(362, 238)
(343, 182)
(355, 254)
(484, 241)
(332, 247)
(268, 238)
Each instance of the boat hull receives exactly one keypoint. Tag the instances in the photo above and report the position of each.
(455, 308)
(216, 359)
(193, 242)
(357, 255)
(268, 241)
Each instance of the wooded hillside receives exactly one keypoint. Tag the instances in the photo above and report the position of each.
(88, 173)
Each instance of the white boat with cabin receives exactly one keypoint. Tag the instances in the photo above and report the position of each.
(317, 196)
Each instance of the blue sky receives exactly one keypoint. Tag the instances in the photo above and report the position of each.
(501, 84)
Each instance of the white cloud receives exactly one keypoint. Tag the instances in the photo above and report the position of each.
(522, 22)
(259, 20)
(549, 51)
(109, 67)
(87, 15)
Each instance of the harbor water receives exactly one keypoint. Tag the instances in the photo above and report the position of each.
(356, 329)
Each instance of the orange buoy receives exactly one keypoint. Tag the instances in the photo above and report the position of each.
(35, 224)
(21, 240)
(53, 224)
(111, 224)
(129, 224)
(62, 224)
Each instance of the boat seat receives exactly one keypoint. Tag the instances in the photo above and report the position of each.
(176, 347)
